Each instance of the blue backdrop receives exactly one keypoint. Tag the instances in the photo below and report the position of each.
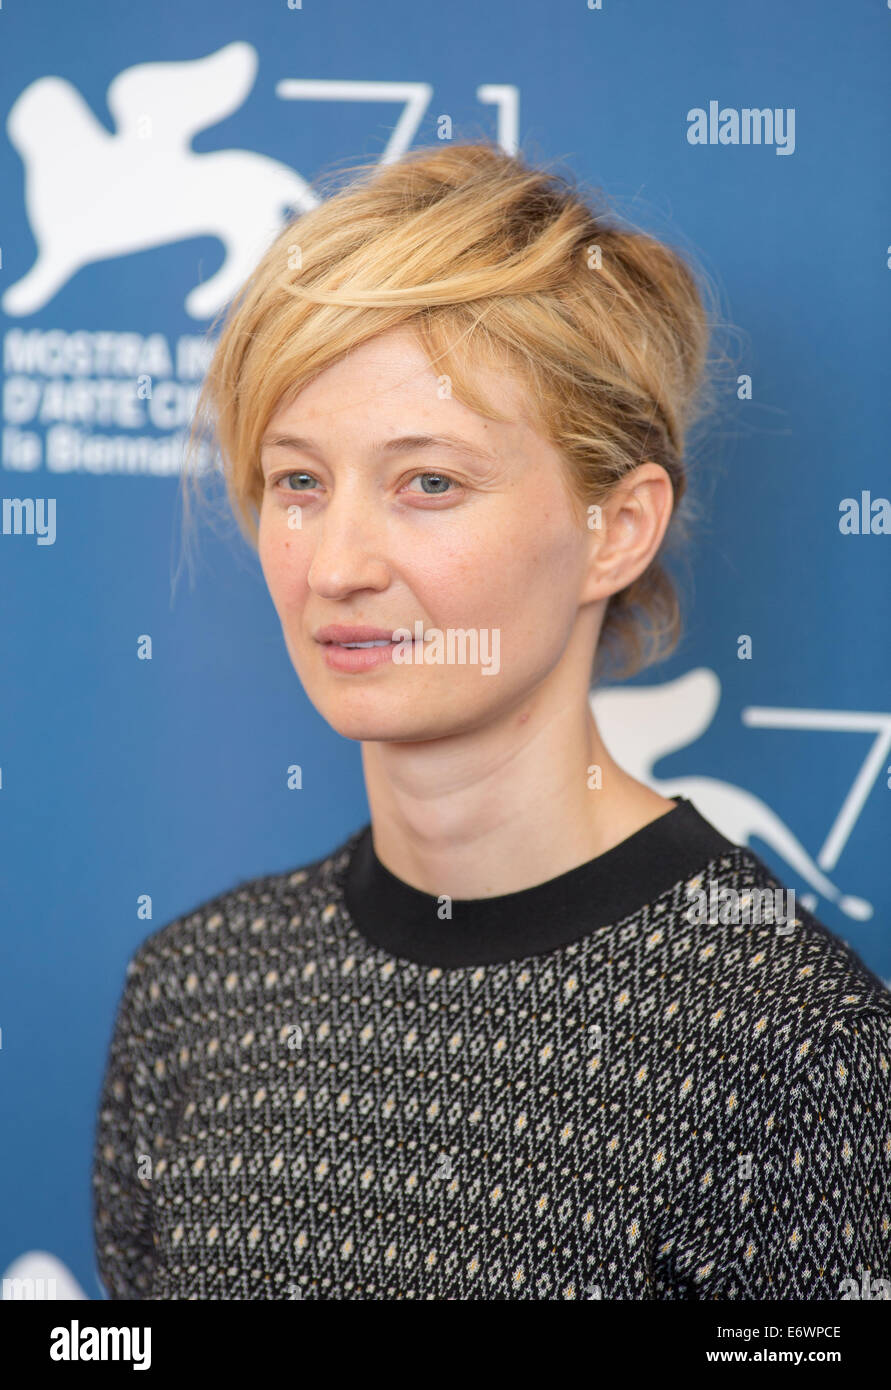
(148, 152)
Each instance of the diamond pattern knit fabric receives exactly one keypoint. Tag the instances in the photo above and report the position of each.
(657, 1110)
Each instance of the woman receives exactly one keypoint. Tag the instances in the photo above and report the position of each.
(485, 1048)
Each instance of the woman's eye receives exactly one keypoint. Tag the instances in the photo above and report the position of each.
(434, 484)
(440, 483)
(308, 477)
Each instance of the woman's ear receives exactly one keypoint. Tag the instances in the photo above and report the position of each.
(628, 529)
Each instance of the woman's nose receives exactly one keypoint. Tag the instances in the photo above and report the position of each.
(347, 549)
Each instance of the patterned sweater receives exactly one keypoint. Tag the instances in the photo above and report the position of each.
(326, 1084)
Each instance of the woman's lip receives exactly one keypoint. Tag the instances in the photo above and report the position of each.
(353, 659)
(339, 633)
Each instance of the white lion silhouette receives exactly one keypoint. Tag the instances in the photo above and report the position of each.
(641, 724)
(91, 195)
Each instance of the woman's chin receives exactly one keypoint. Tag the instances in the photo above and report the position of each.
(369, 728)
(369, 720)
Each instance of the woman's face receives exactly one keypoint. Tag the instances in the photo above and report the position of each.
(391, 525)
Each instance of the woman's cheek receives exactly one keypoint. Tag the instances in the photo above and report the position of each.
(274, 562)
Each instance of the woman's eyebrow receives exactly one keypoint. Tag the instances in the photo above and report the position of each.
(403, 444)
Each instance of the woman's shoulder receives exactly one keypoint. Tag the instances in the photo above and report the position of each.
(248, 910)
(771, 963)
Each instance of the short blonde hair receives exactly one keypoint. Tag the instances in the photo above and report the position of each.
(491, 261)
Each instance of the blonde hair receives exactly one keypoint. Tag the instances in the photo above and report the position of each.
(489, 260)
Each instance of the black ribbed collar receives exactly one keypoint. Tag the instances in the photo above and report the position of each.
(403, 921)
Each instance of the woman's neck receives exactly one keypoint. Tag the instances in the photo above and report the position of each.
(498, 810)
